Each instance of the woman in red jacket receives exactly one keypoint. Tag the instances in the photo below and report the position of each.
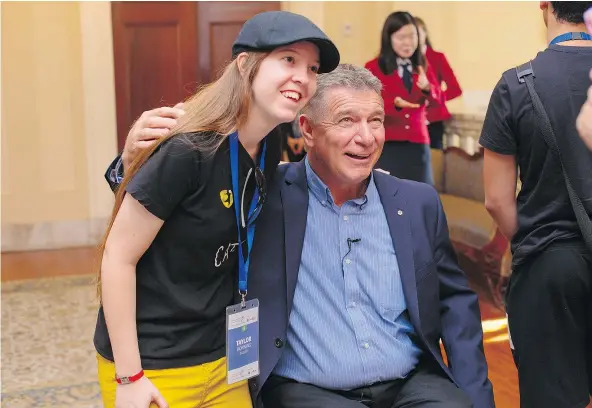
(407, 86)
(439, 66)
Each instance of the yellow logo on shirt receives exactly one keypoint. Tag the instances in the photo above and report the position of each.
(226, 198)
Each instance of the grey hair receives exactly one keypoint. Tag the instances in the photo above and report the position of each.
(346, 76)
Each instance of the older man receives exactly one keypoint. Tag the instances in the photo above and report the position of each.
(356, 277)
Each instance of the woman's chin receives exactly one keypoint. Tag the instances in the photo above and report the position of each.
(285, 116)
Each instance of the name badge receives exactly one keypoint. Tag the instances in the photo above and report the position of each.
(242, 341)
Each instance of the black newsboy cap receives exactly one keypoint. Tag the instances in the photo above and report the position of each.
(272, 29)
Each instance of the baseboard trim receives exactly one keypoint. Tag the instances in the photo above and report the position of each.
(52, 235)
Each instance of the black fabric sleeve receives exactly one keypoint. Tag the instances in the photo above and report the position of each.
(497, 134)
(166, 178)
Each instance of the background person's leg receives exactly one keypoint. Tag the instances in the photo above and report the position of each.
(548, 305)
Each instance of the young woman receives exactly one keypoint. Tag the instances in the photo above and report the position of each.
(407, 86)
(182, 213)
(439, 66)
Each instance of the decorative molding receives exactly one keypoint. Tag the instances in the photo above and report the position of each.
(463, 130)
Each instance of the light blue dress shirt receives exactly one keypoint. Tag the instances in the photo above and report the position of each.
(349, 326)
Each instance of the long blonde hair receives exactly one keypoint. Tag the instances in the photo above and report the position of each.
(217, 109)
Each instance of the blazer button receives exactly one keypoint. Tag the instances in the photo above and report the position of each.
(279, 343)
(406, 116)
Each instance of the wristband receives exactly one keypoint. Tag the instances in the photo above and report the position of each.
(130, 379)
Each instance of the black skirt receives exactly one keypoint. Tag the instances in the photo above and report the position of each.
(406, 160)
(436, 130)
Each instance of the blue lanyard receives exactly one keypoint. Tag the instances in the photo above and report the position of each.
(243, 265)
(570, 37)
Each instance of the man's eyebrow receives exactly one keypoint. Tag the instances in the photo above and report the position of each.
(350, 112)
(345, 112)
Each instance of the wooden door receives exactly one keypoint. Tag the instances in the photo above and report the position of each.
(164, 50)
(218, 25)
(155, 56)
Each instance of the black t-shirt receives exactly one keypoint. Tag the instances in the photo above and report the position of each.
(545, 214)
(189, 274)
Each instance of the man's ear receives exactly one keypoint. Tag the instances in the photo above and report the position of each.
(240, 62)
(306, 126)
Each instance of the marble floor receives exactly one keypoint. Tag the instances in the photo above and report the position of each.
(47, 352)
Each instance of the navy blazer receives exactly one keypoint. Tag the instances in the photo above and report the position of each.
(441, 305)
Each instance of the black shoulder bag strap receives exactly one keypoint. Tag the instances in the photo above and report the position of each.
(525, 74)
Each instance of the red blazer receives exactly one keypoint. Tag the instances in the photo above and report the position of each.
(407, 124)
(441, 69)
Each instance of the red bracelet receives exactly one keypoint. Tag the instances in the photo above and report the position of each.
(130, 379)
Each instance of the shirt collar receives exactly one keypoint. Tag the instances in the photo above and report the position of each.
(401, 61)
(323, 194)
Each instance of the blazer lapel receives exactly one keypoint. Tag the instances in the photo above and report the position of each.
(294, 195)
(395, 208)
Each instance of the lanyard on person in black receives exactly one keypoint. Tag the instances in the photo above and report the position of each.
(243, 264)
(571, 37)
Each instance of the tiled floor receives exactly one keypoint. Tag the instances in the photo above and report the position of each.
(47, 351)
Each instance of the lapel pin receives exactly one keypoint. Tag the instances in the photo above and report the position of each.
(400, 212)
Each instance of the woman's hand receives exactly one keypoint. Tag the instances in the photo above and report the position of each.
(139, 394)
(422, 80)
(402, 103)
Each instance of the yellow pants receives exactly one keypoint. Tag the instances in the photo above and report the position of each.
(202, 386)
